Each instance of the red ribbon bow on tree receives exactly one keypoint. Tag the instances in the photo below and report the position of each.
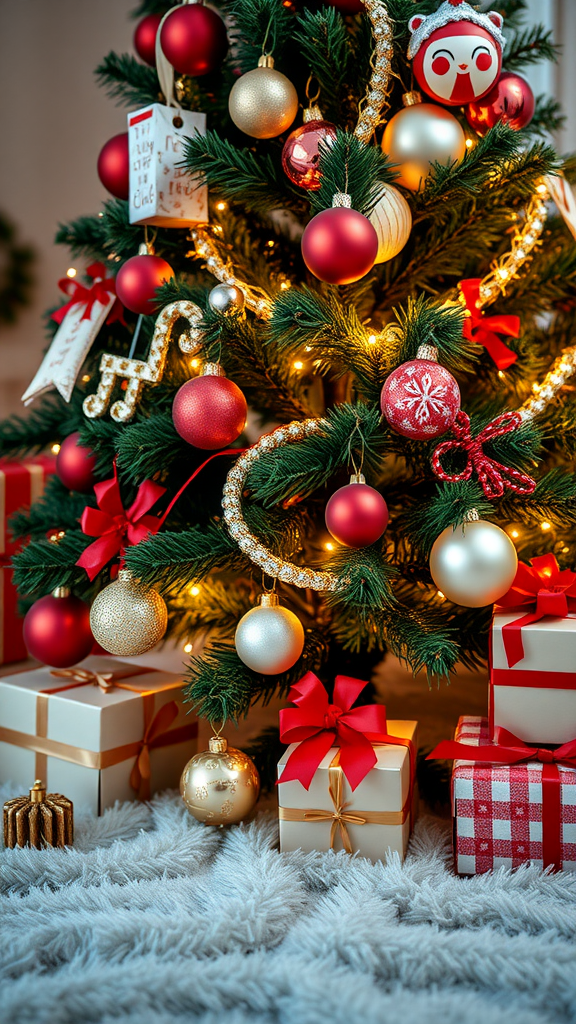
(100, 291)
(316, 725)
(506, 749)
(113, 525)
(484, 330)
(543, 584)
(494, 476)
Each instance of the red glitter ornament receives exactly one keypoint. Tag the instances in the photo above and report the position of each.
(420, 399)
(209, 411)
(357, 515)
(57, 629)
(138, 280)
(145, 38)
(75, 465)
(194, 40)
(113, 165)
(510, 101)
(301, 153)
(339, 245)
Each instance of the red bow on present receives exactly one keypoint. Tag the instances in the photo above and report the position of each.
(100, 291)
(494, 476)
(543, 584)
(316, 725)
(484, 330)
(506, 749)
(113, 525)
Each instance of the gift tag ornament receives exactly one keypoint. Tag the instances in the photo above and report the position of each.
(392, 219)
(420, 399)
(269, 639)
(357, 515)
(75, 465)
(473, 564)
(57, 629)
(220, 786)
(210, 411)
(340, 245)
(456, 52)
(511, 101)
(301, 153)
(128, 618)
(114, 166)
(193, 38)
(263, 103)
(419, 135)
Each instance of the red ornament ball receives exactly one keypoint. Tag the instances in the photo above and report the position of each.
(114, 164)
(356, 515)
(209, 411)
(420, 399)
(194, 40)
(510, 101)
(459, 61)
(301, 153)
(138, 280)
(57, 630)
(75, 465)
(339, 245)
(347, 6)
(145, 38)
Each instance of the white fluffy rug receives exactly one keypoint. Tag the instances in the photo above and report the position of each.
(155, 918)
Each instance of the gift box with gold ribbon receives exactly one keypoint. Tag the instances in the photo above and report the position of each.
(103, 731)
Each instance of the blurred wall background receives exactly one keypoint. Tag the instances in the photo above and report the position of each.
(54, 121)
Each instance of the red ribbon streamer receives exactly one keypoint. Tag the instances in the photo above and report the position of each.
(316, 725)
(484, 330)
(536, 680)
(100, 291)
(494, 476)
(543, 584)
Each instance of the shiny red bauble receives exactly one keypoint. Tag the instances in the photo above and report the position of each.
(209, 412)
(356, 515)
(420, 399)
(510, 101)
(145, 38)
(57, 630)
(339, 245)
(194, 40)
(75, 465)
(301, 153)
(138, 280)
(114, 164)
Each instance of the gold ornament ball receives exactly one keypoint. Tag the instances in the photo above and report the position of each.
(226, 299)
(263, 103)
(417, 136)
(220, 786)
(269, 639)
(392, 219)
(473, 564)
(127, 618)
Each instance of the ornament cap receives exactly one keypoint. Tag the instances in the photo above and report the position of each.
(357, 478)
(268, 600)
(427, 352)
(124, 575)
(312, 113)
(342, 199)
(145, 249)
(217, 745)
(38, 792)
(411, 98)
(213, 370)
(266, 60)
(61, 592)
(472, 516)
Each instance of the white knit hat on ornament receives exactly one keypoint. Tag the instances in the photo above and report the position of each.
(422, 26)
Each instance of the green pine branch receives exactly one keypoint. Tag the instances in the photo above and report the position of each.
(128, 81)
(530, 46)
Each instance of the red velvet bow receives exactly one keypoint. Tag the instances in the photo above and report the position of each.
(113, 525)
(543, 584)
(316, 725)
(494, 476)
(100, 291)
(484, 330)
(506, 749)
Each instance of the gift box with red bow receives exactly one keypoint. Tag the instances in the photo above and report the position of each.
(100, 732)
(512, 803)
(347, 778)
(533, 655)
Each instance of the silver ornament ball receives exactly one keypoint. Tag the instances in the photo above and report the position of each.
(220, 786)
(269, 639)
(474, 564)
(417, 136)
(226, 299)
(127, 618)
(392, 219)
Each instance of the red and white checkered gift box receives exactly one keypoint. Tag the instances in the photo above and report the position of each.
(508, 814)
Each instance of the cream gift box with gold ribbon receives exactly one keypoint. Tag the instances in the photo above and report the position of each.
(103, 731)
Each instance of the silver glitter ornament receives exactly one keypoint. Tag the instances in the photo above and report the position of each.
(269, 639)
(473, 564)
(220, 786)
(226, 299)
(127, 618)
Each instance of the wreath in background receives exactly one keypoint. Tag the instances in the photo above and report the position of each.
(15, 272)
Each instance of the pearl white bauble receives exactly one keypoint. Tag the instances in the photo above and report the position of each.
(269, 639)
(127, 618)
(392, 219)
(419, 135)
(474, 564)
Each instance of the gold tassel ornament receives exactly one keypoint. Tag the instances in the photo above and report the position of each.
(39, 820)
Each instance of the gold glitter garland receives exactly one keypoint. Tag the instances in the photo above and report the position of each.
(546, 391)
(206, 248)
(376, 98)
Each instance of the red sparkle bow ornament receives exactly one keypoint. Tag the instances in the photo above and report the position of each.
(494, 476)
(506, 749)
(100, 291)
(316, 725)
(484, 330)
(114, 526)
(544, 585)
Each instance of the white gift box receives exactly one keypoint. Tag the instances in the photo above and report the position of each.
(384, 793)
(162, 193)
(85, 742)
(536, 698)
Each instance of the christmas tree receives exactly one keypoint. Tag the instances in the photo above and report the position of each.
(433, 276)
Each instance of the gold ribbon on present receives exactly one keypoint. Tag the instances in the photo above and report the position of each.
(85, 677)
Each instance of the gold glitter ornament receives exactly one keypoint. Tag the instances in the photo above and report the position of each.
(128, 618)
(263, 102)
(220, 786)
(269, 639)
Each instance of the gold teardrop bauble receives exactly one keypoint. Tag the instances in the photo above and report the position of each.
(220, 786)
(127, 618)
(392, 219)
(263, 103)
(417, 136)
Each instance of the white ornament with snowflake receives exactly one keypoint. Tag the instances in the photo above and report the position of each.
(420, 398)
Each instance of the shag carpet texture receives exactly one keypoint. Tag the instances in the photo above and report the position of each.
(155, 918)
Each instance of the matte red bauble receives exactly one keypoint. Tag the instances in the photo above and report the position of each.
(75, 465)
(138, 280)
(347, 6)
(113, 165)
(301, 153)
(339, 245)
(510, 101)
(456, 52)
(357, 515)
(57, 629)
(194, 40)
(209, 411)
(145, 38)
(420, 399)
